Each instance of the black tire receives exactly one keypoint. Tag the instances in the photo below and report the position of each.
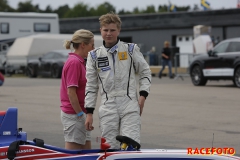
(197, 76)
(236, 78)
(55, 71)
(31, 71)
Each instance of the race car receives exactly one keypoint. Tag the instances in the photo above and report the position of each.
(14, 145)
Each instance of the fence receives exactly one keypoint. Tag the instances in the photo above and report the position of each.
(181, 65)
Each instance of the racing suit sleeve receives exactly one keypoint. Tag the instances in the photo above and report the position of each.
(91, 92)
(143, 70)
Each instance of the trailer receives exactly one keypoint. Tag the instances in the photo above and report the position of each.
(14, 25)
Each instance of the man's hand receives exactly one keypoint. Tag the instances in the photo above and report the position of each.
(89, 122)
(141, 102)
(165, 56)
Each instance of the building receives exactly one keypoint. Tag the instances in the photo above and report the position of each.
(150, 30)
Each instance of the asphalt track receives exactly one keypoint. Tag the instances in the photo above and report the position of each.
(176, 115)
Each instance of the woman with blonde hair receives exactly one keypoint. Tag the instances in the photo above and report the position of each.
(72, 92)
(166, 60)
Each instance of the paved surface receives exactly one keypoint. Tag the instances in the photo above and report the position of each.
(176, 114)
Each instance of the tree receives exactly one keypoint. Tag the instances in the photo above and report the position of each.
(27, 7)
(163, 8)
(196, 8)
(37, 8)
(136, 10)
(48, 9)
(184, 8)
(104, 8)
(83, 10)
(93, 12)
(62, 10)
(149, 9)
(4, 7)
(122, 12)
(79, 10)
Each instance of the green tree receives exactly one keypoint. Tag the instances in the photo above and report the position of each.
(93, 12)
(136, 10)
(122, 12)
(184, 8)
(48, 9)
(37, 8)
(4, 7)
(163, 8)
(27, 7)
(196, 8)
(79, 10)
(149, 9)
(104, 8)
(83, 10)
(62, 10)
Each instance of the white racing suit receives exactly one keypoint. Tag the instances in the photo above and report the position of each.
(114, 72)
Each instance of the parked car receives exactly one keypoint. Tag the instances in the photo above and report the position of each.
(221, 63)
(50, 64)
(4, 46)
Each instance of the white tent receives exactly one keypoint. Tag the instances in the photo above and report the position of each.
(37, 45)
(42, 43)
(202, 44)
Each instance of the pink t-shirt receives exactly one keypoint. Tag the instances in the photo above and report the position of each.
(73, 74)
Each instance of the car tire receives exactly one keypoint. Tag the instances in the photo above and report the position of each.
(236, 78)
(197, 76)
(56, 71)
(31, 71)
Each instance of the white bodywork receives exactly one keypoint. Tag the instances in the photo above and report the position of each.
(218, 72)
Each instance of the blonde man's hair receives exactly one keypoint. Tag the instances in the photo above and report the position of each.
(80, 36)
(110, 18)
(166, 43)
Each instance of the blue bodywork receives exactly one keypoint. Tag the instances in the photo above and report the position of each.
(9, 131)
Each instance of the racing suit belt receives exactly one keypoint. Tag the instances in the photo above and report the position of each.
(120, 93)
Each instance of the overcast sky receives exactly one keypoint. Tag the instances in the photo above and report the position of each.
(128, 4)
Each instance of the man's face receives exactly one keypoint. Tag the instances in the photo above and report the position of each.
(110, 33)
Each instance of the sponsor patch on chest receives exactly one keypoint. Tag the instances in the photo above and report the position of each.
(103, 62)
(105, 69)
(122, 55)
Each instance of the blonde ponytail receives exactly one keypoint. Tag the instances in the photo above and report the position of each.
(80, 36)
(67, 44)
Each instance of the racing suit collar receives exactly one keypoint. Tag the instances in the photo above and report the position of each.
(113, 48)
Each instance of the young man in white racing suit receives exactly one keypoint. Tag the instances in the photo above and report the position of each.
(113, 68)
